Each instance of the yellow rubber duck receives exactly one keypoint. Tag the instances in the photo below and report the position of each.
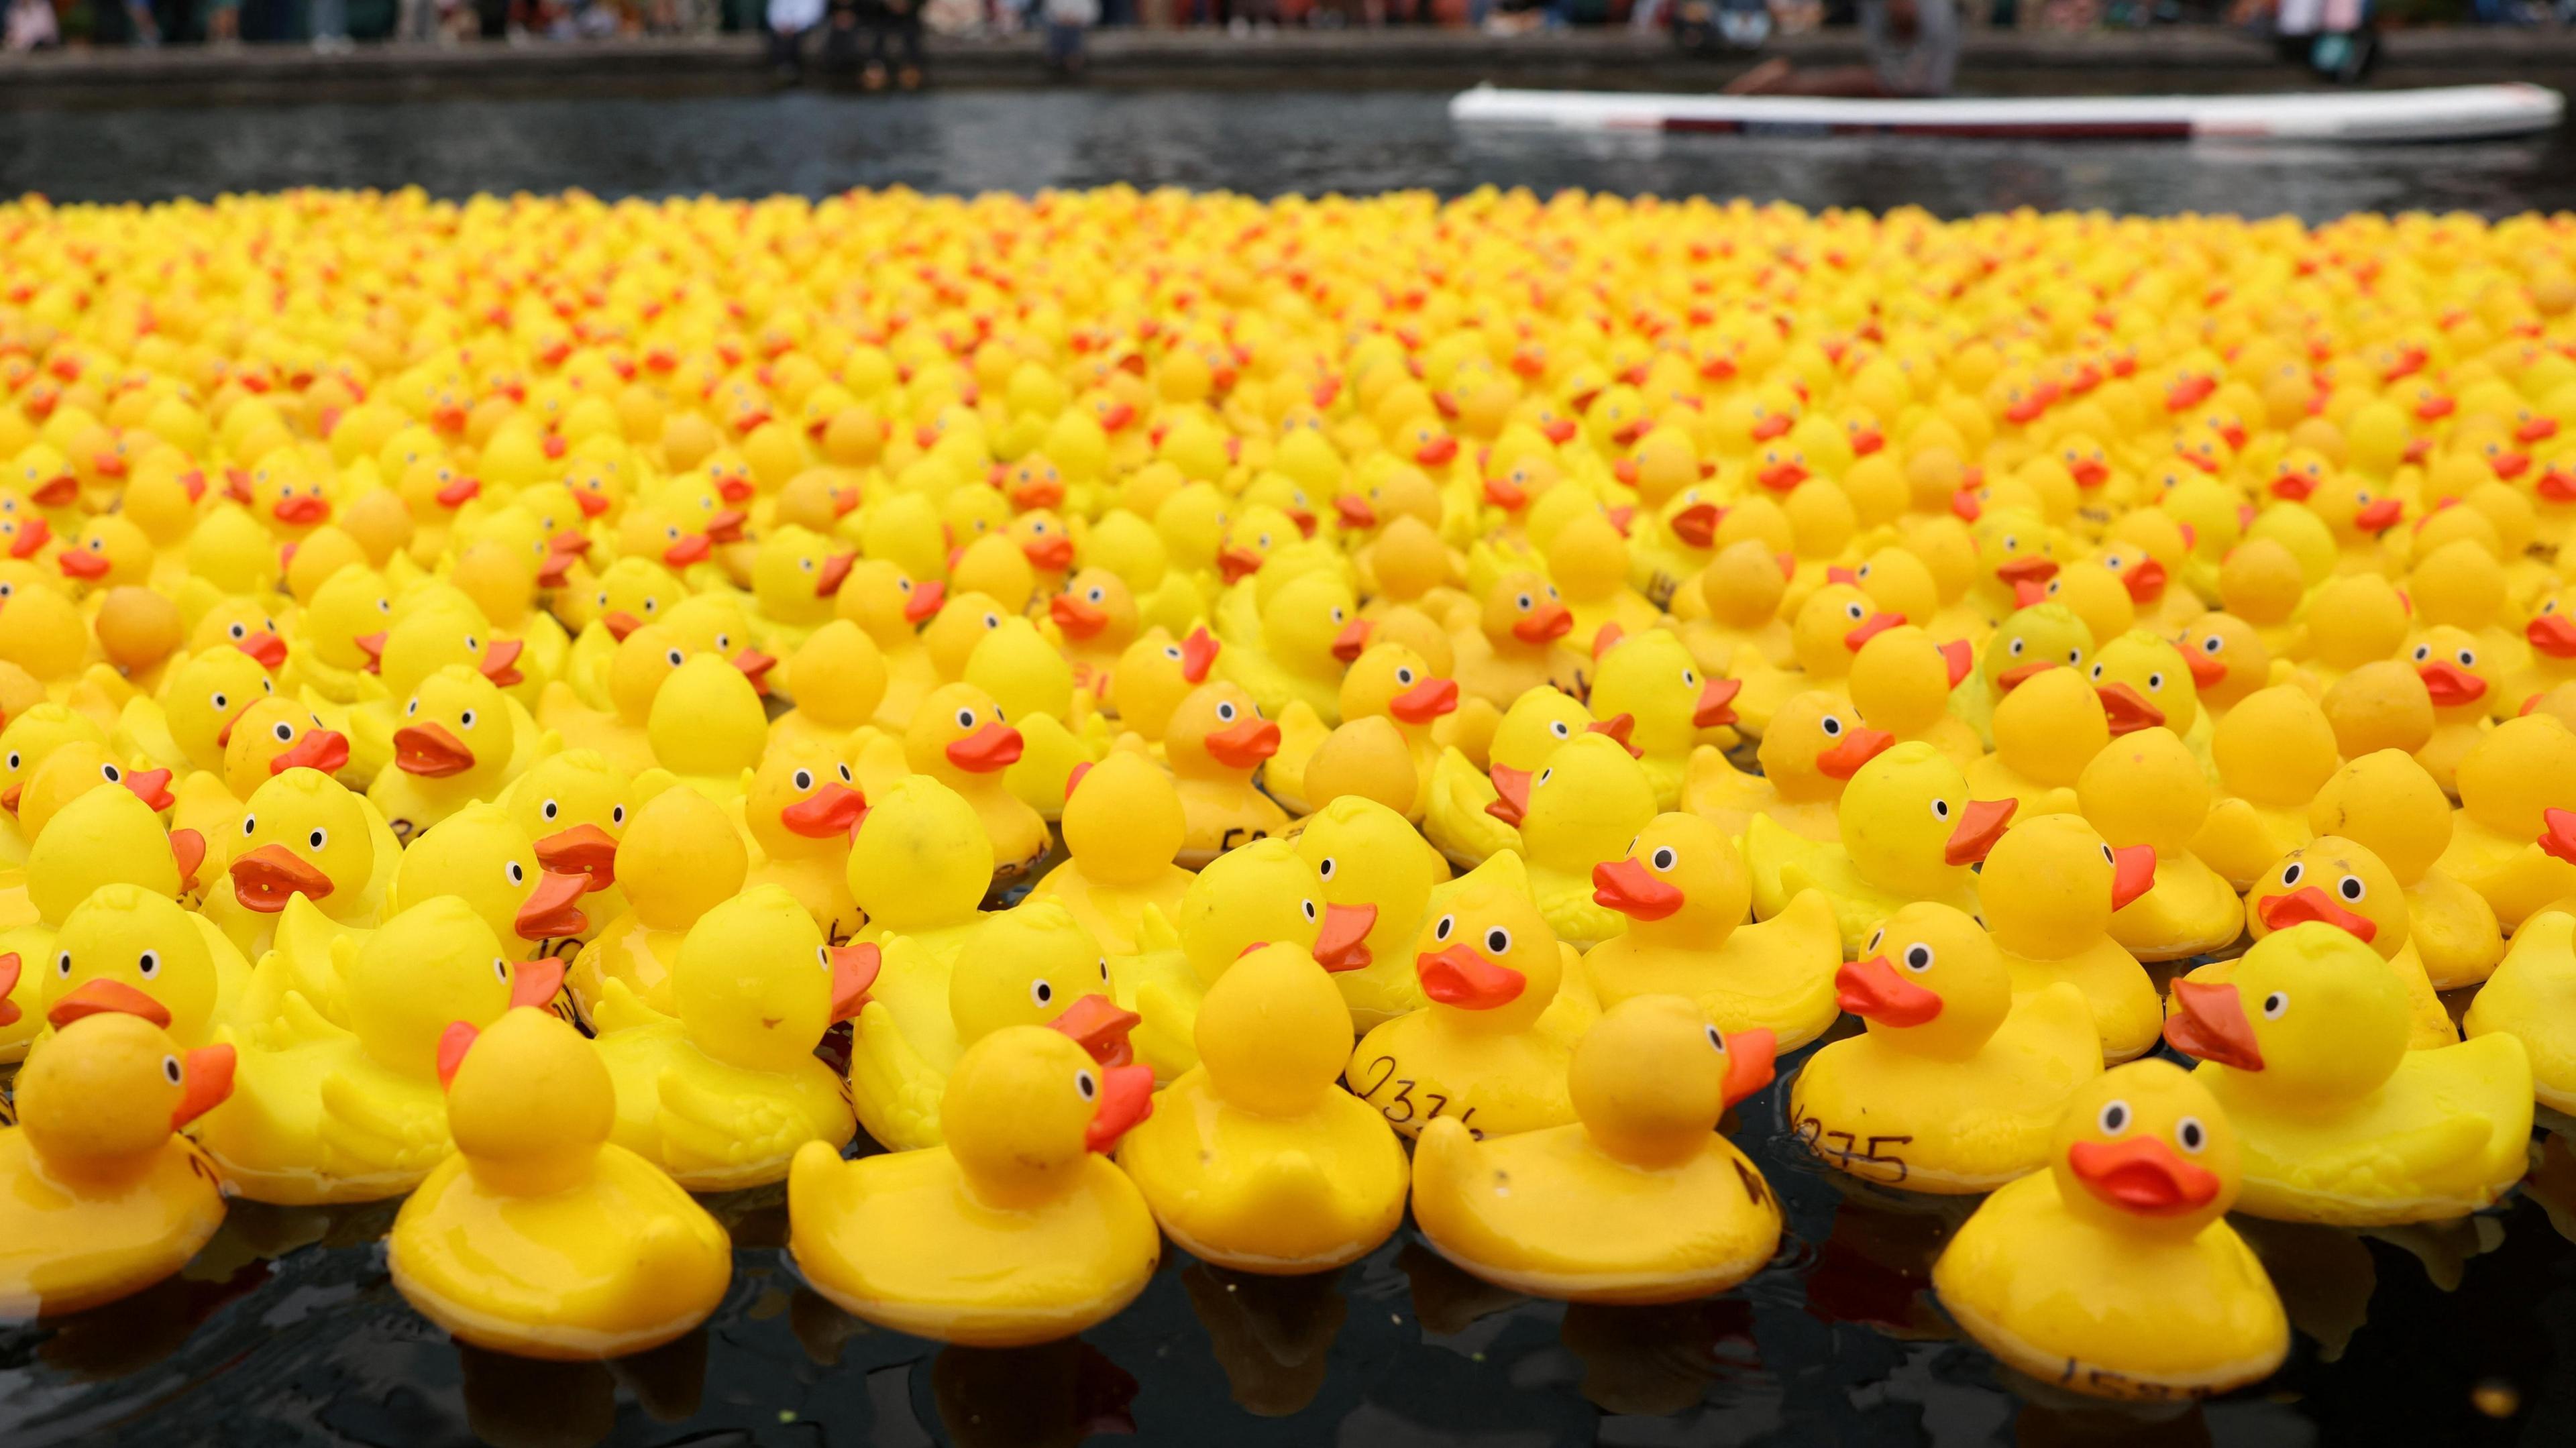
(1255, 1160)
(2305, 1049)
(1516, 643)
(1461, 816)
(1121, 834)
(2385, 802)
(1034, 965)
(920, 865)
(1830, 626)
(1910, 831)
(1214, 740)
(707, 726)
(1369, 858)
(457, 742)
(2114, 1273)
(1154, 675)
(2514, 839)
(1507, 1004)
(1585, 805)
(321, 1113)
(2029, 640)
(1901, 681)
(1685, 892)
(1016, 1230)
(2338, 882)
(1815, 744)
(573, 807)
(1956, 1086)
(1652, 680)
(800, 811)
(680, 858)
(2274, 751)
(539, 1237)
(2529, 997)
(721, 1092)
(1290, 654)
(838, 679)
(100, 1197)
(104, 837)
(959, 739)
(1390, 681)
(1740, 594)
(1260, 893)
(304, 846)
(637, 668)
(2144, 788)
(1639, 1200)
(2047, 892)
(2046, 729)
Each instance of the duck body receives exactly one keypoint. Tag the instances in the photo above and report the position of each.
(2532, 997)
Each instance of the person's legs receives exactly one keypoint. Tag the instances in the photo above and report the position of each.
(329, 22)
(907, 74)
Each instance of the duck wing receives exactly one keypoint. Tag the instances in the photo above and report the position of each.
(894, 1090)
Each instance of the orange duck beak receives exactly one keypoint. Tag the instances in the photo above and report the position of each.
(1981, 823)
(2142, 1175)
(1436, 452)
(188, 852)
(690, 548)
(584, 850)
(430, 751)
(1352, 641)
(9, 967)
(2029, 568)
(1425, 701)
(457, 492)
(1716, 703)
(103, 997)
(301, 509)
(1633, 891)
(2127, 711)
(1050, 554)
(1872, 990)
(1237, 563)
(619, 624)
(453, 1043)
(82, 563)
(998, 746)
(1511, 795)
(1341, 942)
(2553, 634)
(1505, 494)
(2450, 685)
(1957, 659)
(1097, 1025)
(2380, 516)
(725, 525)
(207, 1073)
(2558, 834)
(2145, 582)
(854, 974)
(1857, 747)
(553, 909)
(1870, 628)
(1078, 617)
(1126, 1098)
(35, 533)
(152, 786)
(1355, 511)
(324, 749)
(2308, 903)
(1461, 976)
(835, 569)
(755, 666)
(1198, 654)
(924, 601)
(2020, 674)
(2207, 672)
(834, 809)
(2209, 1022)
(267, 876)
(1244, 744)
(1750, 1058)
(1618, 727)
(1696, 525)
(534, 982)
(264, 646)
(1549, 621)
(2133, 873)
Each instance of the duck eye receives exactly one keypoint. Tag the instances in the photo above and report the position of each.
(617, 815)
(2468, 659)
(1854, 612)
(1309, 907)
(1716, 1042)
(1940, 809)
(1098, 594)
(2351, 888)
(1083, 1083)
(2212, 644)
(1547, 774)
(2423, 652)
(2107, 857)
(284, 731)
(1439, 931)
(1832, 726)
(2155, 682)
(2190, 1134)
(2292, 873)
(239, 632)
(317, 839)
(965, 718)
(2014, 648)
(1524, 603)
(148, 964)
(111, 773)
(1404, 676)
(1225, 712)
(1173, 654)
(249, 823)
(2274, 1004)
(2097, 671)
(518, 874)
(63, 965)
(412, 707)
(1918, 957)
(2114, 1118)
(803, 780)
(1042, 993)
(500, 970)
(215, 700)
(1664, 858)
(466, 718)
(845, 774)
(170, 1070)
(550, 809)
(2074, 657)
(1324, 871)
(1498, 941)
